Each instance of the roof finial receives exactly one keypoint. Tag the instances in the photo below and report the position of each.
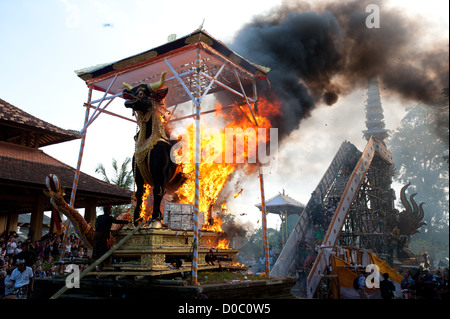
(201, 25)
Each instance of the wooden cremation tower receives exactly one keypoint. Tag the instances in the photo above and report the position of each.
(359, 184)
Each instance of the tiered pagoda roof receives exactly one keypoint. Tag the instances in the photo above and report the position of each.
(374, 113)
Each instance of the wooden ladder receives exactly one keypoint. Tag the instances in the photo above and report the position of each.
(285, 264)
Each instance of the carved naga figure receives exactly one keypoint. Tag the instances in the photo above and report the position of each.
(406, 223)
(82, 228)
(151, 161)
(410, 219)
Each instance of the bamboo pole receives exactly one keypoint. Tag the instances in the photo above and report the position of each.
(101, 259)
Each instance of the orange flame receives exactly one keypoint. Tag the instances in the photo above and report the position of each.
(143, 212)
(215, 167)
(223, 243)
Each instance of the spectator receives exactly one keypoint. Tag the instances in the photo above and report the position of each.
(387, 288)
(26, 254)
(309, 262)
(18, 248)
(39, 273)
(9, 262)
(442, 290)
(81, 253)
(22, 280)
(9, 290)
(2, 283)
(407, 285)
(11, 246)
(2, 250)
(361, 286)
(56, 246)
(318, 234)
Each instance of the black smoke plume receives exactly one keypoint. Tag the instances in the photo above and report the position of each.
(322, 51)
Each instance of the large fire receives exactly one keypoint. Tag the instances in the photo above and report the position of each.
(220, 156)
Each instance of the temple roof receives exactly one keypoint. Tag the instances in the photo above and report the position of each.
(25, 168)
(20, 127)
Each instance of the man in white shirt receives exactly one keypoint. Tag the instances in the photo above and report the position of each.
(11, 246)
(22, 280)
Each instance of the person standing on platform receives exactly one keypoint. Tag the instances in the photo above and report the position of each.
(102, 232)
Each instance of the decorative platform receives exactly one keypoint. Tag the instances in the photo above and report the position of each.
(154, 252)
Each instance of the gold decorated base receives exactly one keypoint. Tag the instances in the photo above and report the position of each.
(167, 251)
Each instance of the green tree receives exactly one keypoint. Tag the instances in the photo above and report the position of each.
(418, 148)
(122, 176)
(274, 238)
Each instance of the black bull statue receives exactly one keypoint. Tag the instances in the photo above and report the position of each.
(151, 161)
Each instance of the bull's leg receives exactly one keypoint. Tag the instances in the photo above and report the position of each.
(157, 198)
(160, 170)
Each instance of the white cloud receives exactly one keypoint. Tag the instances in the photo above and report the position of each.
(73, 14)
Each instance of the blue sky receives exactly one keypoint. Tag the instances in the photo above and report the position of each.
(43, 42)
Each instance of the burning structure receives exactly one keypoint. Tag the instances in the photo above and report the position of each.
(331, 59)
(207, 153)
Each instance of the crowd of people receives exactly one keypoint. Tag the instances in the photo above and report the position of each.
(425, 284)
(42, 258)
(418, 283)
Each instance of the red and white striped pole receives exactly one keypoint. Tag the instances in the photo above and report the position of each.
(264, 222)
(77, 174)
(80, 154)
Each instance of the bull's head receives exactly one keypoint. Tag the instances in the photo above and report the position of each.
(141, 97)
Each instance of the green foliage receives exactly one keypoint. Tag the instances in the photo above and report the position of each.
(418, 155)
(274, 238)
(420, 152)
(122, 176)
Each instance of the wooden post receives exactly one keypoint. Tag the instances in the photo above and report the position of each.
(3, 223)
(90, 213)
(12, 222)
(37, 218)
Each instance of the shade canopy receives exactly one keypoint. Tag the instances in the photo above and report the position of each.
(179, 59)
(283, 204)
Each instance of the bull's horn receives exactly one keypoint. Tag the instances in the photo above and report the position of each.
(125, 84)
(158, 85)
